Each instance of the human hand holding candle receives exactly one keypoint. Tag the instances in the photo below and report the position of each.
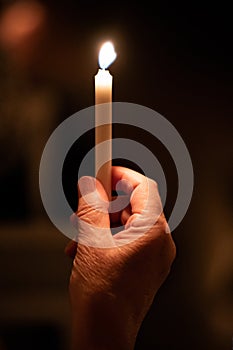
(103, 115)
(111, 289)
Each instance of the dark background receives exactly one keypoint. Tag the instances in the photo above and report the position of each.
(175, 58)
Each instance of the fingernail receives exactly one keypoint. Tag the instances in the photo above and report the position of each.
(86, 184)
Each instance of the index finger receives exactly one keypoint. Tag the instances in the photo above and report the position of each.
(144, 191)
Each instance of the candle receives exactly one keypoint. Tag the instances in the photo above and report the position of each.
(103, 94)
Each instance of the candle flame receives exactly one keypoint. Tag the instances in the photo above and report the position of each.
(107, 55)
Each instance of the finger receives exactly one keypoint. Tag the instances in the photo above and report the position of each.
(117, 206)
(125, 215)
(93, 202)
(144, 191)
(92, 218)
(146, 206)
(119, 218)
(126, 177)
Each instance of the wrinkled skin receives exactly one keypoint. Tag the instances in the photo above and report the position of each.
(112, 289)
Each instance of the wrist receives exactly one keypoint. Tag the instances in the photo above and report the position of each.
(100, 323)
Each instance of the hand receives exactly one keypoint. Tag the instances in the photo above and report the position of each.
(112, 289)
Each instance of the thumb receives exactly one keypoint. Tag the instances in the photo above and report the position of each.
(92, 217)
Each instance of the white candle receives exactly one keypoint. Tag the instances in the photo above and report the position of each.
(103, 94)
